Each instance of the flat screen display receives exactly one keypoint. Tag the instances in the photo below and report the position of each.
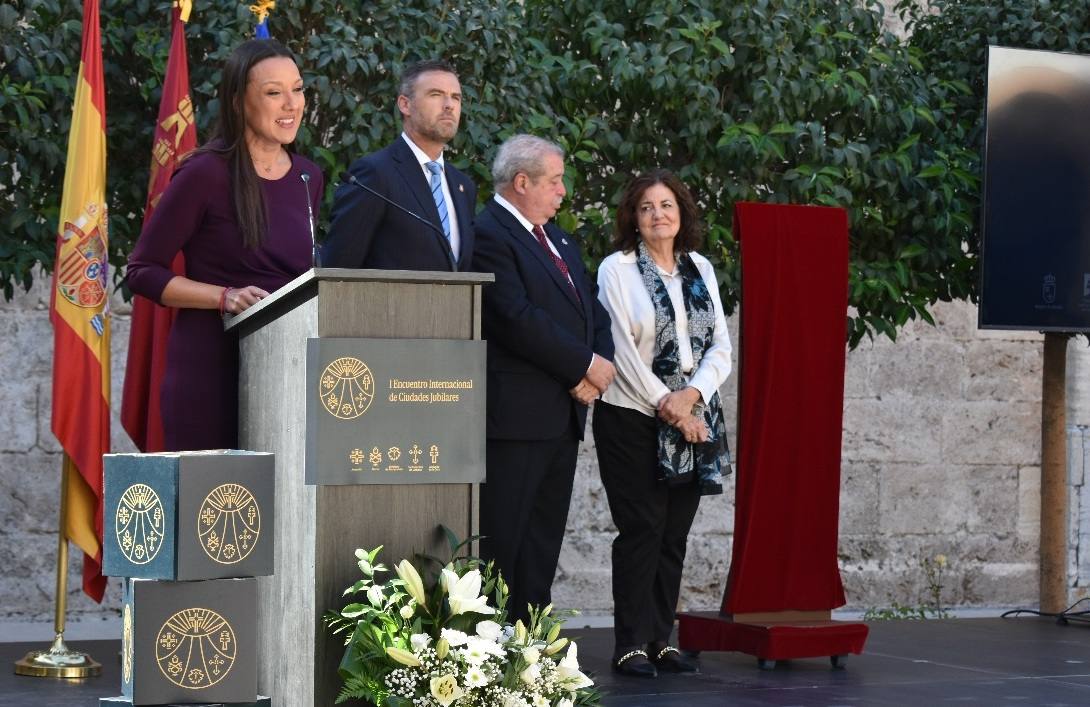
(1035, 252)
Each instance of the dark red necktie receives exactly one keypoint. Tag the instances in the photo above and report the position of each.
(539, 234)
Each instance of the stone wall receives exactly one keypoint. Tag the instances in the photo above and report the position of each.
(941, 456)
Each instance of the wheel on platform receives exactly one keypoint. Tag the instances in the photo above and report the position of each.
(766, 664)
(839, 662)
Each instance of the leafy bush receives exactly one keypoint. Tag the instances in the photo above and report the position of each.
(770, 100)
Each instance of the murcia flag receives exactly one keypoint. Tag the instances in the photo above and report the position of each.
(79, 311)
(149, 328)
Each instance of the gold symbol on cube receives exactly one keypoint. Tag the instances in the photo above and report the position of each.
(126, 644)
(346, 388)
(229, 520)
(376, 457)
(434, 454)
(394, 453)
(200, 650)
(138, 523)
(356, 456)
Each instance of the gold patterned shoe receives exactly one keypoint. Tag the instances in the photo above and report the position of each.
(671, 660)
(635, 664)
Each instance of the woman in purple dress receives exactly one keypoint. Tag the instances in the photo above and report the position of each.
(237, 210)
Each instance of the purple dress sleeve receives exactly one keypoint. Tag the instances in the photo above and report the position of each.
(177, 217)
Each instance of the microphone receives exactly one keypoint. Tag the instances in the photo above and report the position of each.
(351, 179)
(315, 257)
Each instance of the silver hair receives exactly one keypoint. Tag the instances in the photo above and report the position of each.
(521, 153)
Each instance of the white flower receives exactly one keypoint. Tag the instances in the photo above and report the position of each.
(475, 677)
(489, 630)
(413, 584)
(478, 650)
(406, 611)
(514, 701)
(531, 655)
(419, 641)
(374, 595)
(570, 675)
(445, 689)
(402, 656)
(539, 700)
(530, 674)
(454, 638)
(464, 593)
(565, 703)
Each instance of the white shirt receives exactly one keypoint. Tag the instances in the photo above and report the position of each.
(423, 159)
(529, 227)
(622, 293)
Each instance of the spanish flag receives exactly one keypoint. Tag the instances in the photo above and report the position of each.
(149, 328)
(80, 313)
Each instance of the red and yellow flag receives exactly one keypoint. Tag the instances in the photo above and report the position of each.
(175, 135)
(79, 310)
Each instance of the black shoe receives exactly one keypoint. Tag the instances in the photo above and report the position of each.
(635, 664)
(671, 660)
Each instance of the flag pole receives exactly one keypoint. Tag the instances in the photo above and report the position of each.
(59, 661)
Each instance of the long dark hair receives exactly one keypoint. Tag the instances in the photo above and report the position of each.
(626, 236)
(229, 136)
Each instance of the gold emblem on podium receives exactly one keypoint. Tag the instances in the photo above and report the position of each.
(195, 648)
(346, 388)
(139, 524)
(228, 523)
(126, 644)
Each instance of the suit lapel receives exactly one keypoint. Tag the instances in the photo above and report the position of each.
(417, 184)
(526, 240)
(463, 211)
(571, 257)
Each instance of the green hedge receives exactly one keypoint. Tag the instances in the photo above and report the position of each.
(787, 101)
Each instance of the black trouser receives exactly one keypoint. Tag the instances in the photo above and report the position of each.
(653, 521)
(524, 509)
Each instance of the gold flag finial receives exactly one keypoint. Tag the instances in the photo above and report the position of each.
(186, 6)
(262, 8)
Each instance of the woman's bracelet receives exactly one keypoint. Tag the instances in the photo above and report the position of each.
(223, 301)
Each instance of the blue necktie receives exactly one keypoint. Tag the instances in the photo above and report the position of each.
(437, 195)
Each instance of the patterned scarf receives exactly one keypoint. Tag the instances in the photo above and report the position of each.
(679, 460)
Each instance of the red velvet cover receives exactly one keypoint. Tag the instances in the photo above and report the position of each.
(791, 395)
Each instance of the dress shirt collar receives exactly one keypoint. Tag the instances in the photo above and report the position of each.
(516, 213)
(421, 156)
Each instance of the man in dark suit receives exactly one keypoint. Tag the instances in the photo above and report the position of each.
(369, 232)
(549, 356)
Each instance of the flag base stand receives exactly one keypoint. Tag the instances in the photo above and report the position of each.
(59, 661)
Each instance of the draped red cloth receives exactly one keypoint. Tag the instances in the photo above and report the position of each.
(791, 396)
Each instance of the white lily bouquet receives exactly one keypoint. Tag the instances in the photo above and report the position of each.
(443, 644)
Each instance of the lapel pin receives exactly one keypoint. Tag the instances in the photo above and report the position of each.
(564, 241)
(462, 188)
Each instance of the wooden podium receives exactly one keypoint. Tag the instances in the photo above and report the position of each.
(318, 527)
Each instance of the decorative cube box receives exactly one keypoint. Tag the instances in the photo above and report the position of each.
(188, 515)
(189, 642)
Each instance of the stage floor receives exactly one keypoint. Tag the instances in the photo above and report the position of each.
(1026, 661)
